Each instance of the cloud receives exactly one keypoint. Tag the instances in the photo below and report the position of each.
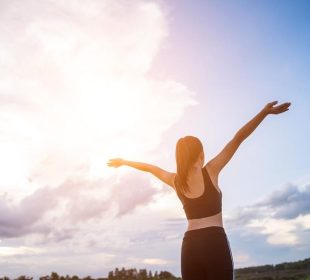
(75, 90)
(281, 217)
(56, 212)
(152, 261)
(75, 87)
(290, 202)
(286, 203)
(22, 250)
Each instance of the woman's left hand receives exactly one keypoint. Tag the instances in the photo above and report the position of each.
(269, 109)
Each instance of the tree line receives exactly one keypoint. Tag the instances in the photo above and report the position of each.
(299, 270)
(116, 274)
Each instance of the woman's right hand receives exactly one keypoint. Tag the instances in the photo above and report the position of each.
(116, 162)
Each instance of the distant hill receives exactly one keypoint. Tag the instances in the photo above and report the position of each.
(299, 270)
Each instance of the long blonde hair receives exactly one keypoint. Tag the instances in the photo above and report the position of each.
(187, 151)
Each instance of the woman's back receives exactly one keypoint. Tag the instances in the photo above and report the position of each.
(204, 207)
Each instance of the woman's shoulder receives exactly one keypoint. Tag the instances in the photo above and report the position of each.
(209, 168)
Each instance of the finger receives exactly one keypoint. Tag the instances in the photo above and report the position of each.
(273, 102)
(285, 109)
(281, 111)
(285, 105)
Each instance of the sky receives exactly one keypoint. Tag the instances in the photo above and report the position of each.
(83, 82)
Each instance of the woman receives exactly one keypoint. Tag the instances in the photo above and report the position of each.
(205, 252)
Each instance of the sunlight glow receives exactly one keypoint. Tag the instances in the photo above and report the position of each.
(84, 96)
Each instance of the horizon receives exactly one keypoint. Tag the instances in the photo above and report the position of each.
(158, 271)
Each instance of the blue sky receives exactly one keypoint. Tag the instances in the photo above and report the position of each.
(237, 56)
(85, 82)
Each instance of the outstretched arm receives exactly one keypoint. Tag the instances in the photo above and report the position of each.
(163, 175)
(217, 163)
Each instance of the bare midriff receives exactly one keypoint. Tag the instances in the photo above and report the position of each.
(215, 220)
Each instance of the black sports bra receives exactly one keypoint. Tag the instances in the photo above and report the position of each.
(208, 204)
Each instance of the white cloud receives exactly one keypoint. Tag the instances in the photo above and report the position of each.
(57, 212)
(280, 217)
(75, 87)
(21, 250)
(152, 261)
(282, 231)
(155, 261)
(275, 229)
(278, 231)
(75, 90)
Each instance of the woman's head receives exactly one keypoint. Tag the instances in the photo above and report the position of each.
(189, 153)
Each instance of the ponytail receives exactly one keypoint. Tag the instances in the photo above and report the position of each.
(188, 149)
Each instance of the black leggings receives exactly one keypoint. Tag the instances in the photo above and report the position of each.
(206, 254)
